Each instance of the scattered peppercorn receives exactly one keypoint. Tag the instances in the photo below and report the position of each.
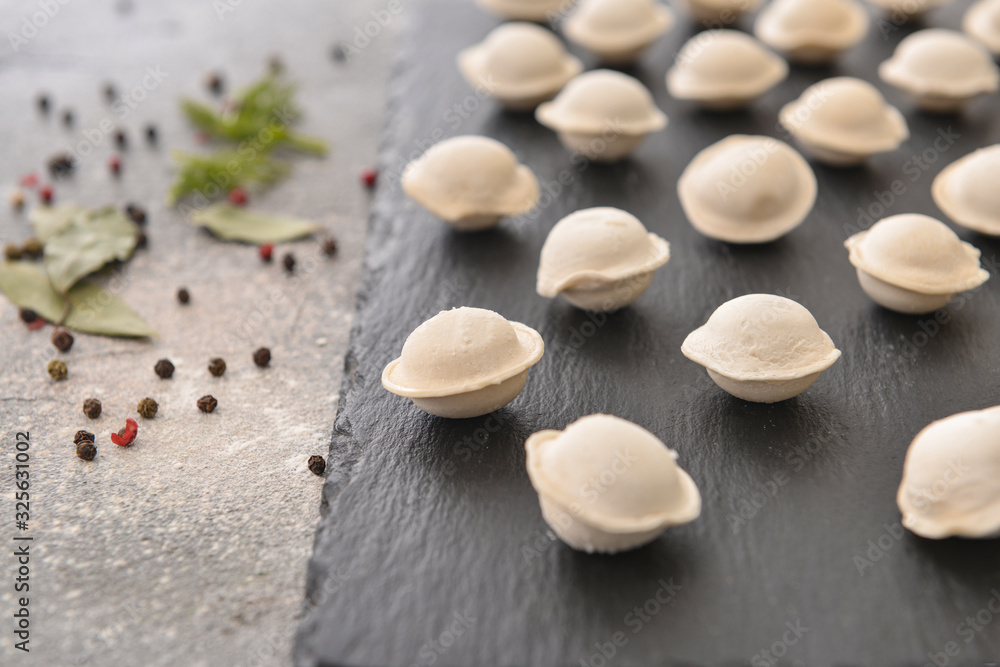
(57, 370)
(164, 368)
(28, 315)
(36, 325)
(202, 137)
(266, 251)
(289, 261)
(262, 357)
(275, 64)
(141, 239)
(214, 83)
(317, 465)
(12, 252)
(29, 180)
(207, 403)
(92, 408)
(83, 436)
(61, 165)
(136, 213)
(330, 246)
(110, 93)
(62, 339)
(151, 134)
(121, 140)
(17, 199)
(338, 53)
(68, 118)
(183, 295)
(125, 436)
(369, 177)
(217, 366)
(237, 196)
(86, 450)
(43, 103)
(115, 164)
(147, 408)
(32, 248)
(46, 194)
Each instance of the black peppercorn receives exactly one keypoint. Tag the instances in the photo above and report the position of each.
(151, 134)
(217, 366)
(207, 403)
(83, 436)
(317, 465)
(338, 53)
(28, 315)
(12, 252)
(275, 65)
(136, 213)
(61, 165)
(142, 239)
(32, 249)
(330, 246)
(86, 450)
(43, 103)
(147, 408)
(110, 93)
(164, 368)
(183, 295)
(262, 357)
(214, 83)
(62, 339)
(68, 118)
(92, 408)
(121, 140)
(57, 370)
(289, 261)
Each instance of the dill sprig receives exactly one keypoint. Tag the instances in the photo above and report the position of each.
(221, 171)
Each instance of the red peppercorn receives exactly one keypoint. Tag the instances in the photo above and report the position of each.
(201, 136)
(237, 196)
(368, 177)
(29, 180)
(46, 194)
(266, 251)
(36, 325)
(115, 164)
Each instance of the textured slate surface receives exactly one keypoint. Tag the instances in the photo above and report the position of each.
(433, 550)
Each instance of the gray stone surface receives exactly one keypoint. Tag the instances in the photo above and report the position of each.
(190, 547)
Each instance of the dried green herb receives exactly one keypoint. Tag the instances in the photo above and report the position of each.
(217, 173)
(262, 114)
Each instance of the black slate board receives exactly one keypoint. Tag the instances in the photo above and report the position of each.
(432, 549)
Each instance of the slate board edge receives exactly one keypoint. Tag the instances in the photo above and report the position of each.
(344, 450)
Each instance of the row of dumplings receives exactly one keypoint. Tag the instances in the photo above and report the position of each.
(806, 31)
(602, 259)
(948, 486)
(468, 362)
(522, 64)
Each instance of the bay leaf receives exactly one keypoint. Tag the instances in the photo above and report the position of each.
(27, 285)
(88, 242)
(234, 223)
(95, 310)
(48, 221)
